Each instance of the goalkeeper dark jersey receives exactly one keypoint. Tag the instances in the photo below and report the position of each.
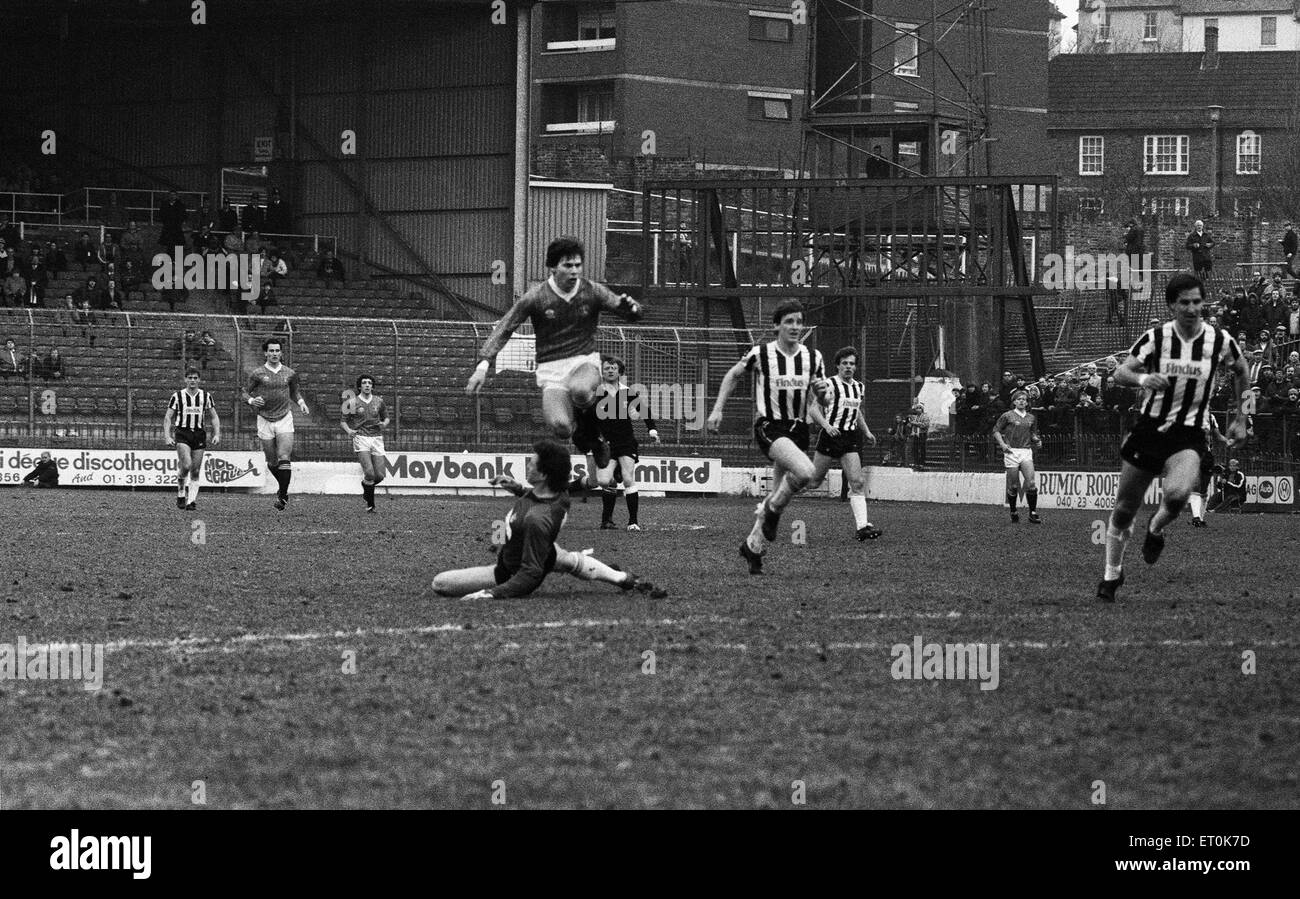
(532, 527)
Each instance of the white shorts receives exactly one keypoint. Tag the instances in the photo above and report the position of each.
(556, 372)
(267, 430)
(1013, 457)
(372, 445)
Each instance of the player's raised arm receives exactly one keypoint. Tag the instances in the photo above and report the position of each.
(620, 304)
(497, 340)
(729, 380)
(296, 394)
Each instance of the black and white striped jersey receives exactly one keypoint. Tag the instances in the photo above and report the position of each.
(843, 401)
(190, 408)
(1190, 366)
(781, 381)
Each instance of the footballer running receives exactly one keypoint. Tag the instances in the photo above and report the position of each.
(270, 387)
(183, 429)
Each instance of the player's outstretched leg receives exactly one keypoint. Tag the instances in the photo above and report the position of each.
(587, 567)
(464, 581)
(1133, 483)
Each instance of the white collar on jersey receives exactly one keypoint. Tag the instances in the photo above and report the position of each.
(274, 371)
(797, 347)
(577, 285)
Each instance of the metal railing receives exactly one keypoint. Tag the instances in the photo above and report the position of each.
(28, 205)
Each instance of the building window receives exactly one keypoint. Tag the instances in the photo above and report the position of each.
(768, 106)
(905, 106)
(1165, 154)
(907, 49)
(1092, 155)
(596, 23)
(1149, 27)
(1166, 206)
(770, 26)
(1091, 207)
(1103, 26)
(596, 106)
(1248, 153)
(1247, 209)
(1268, 31)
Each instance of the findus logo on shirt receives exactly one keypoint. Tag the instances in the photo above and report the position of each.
(77, 853)
(215, 271)
(946, 661)
(789, 382)
(219, 471)
(1174, 369)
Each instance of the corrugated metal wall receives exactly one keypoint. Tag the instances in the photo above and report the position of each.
(556, 211)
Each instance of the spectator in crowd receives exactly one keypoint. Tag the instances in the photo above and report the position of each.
(15, 289)
(206, 219)
(253, 217)
(132, 241)
(919, 429)
(331, 268)
(93, 293)
(1006, 388)
(206, 348)
(970, 405)
(1290, 243)
(11, 360)
(1293, 320)
(234, 242)
(53, 367)
(1201, 245)
(85, 319)
(183, 347)
(55, 259)
(130, 279)
(273, 267)
(228, 218)
(1265, 346)
(253, 243)
(1135, 247)
(108, 254)
(278, 220)
(1252, 315)
(84, 252)
(113, 216)
(173, 215)
(38, 277)
(203, 239)
(1230, 489)
(8, 258)
(896, 453)
(1275, 310)
(45, 474)
(116, 298)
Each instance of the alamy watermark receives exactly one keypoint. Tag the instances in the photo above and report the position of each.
(662, 402)
(1098, 271)
(919, 660)
(215, 271)
(53, 661)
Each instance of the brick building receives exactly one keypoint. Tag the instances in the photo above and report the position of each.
(1172, 26)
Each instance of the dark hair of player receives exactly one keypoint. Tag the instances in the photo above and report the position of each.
(784, 309)
(192, 371)
(844, 353)
(606, 358)
(563, 247)
(1181, 282)
(369, 378)
(266, 344)
(553, 462)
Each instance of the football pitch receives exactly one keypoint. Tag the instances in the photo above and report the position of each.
(263, 659)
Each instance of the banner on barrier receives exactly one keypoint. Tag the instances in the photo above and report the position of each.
(686, 475)
(1097, 490)
(133, 468)
(1270, 491)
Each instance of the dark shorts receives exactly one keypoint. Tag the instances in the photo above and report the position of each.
(194, 438)
(768, 431)
(836, 447)
(502, 574)
(1149, 449)
(633, 449)
(586, 435)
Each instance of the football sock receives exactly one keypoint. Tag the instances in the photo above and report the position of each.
(194, 489)
(1164, 516)
(858, 503)
(633, 499)
(180, 485)
(1116, 543)
(589, 568)
(1011, 499)
(608, 499)
(779, 498)
(755, 539)
(1031, 497)
(1198, 505)
(368, 491)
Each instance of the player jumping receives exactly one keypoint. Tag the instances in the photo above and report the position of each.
(784, 372)
(1175, 363)
(843, 428)
(531, 528)
(187, 410)
(364, 418)
(269, 389)
(565, 311)
(1017, 433)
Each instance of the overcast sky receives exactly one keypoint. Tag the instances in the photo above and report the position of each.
(1071, 10)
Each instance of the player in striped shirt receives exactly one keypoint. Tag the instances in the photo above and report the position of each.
(364, 418)
(1017, 433)
(843, 427)
(786, 373)
(528, 550)
(565, 311)
(270, 387)
(1176, 364)
(183, 429)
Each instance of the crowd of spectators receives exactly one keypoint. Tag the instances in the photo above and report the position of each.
(49, 366)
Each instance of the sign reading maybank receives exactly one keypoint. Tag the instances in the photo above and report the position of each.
(686, 475)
